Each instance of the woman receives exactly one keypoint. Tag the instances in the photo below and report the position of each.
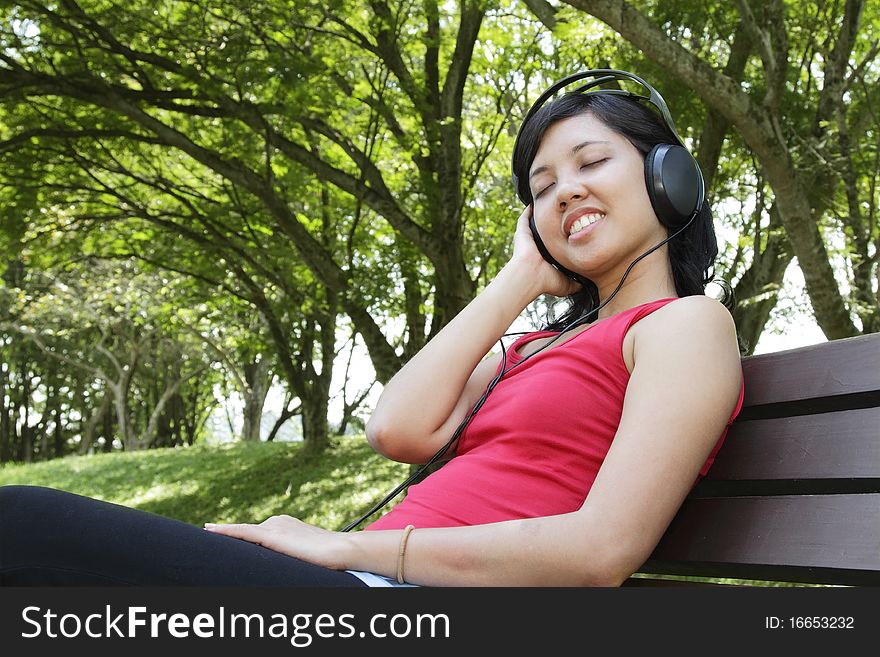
(573, 468)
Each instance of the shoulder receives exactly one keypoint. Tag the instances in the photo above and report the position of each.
(688, 335)
(697, 327)
(687, 352)
(686, 318)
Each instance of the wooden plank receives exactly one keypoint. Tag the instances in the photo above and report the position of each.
(809, 538)
(839, 367)
(844, 445)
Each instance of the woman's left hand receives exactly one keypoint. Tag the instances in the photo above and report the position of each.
(292, 537)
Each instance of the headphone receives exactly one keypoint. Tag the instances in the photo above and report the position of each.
(672, 176)
(675, 187)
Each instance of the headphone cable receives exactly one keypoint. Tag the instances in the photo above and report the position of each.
(501, 372)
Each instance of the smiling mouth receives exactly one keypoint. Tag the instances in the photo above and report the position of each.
(584, 222)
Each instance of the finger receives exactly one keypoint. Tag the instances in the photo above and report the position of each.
(239, 530)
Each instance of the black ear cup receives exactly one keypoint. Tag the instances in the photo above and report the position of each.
(675, 184)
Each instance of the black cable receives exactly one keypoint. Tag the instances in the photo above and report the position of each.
(502, 371)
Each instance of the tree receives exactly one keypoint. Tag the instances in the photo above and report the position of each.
(103, 347)
(367, 103)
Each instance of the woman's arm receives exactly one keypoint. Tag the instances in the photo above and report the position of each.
(421, 406)
(684, 385)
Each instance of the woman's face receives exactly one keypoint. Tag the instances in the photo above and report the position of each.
(590, 203)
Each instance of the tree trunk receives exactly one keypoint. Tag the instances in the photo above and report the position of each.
(314, 422)
(109, 433)
(5, 410)
(56, 440)
(126, 434)
(258, 379)
(100, 413)
(454, 290)
(414, 301)
(757, 291)
(176, 414)
(26, 434)
(316, 399)
(829, 308)
(866, 300)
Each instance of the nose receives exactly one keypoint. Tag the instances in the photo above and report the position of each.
(569, 190)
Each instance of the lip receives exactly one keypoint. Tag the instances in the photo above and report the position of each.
(574, 215)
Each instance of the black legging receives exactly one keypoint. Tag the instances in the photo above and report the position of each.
(50, 537)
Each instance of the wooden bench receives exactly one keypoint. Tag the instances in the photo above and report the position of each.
(794, 493)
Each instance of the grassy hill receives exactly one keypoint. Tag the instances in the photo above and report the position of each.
(235, 482)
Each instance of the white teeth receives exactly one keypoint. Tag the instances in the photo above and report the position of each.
(583, 222)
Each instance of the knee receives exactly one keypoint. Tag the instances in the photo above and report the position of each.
(19, 500)
(11, 494)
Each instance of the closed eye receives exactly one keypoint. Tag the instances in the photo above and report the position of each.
(585, 166)
(594, 163)
(539, 194)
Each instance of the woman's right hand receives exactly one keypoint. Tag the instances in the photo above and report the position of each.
(526, 255)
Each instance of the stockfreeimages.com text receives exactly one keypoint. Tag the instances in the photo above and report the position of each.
(300, 629)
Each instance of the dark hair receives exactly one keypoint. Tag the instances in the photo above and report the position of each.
(691, 254)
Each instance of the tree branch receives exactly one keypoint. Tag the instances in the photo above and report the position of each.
(544, 12)
(717, 90)
(57, 133)
(835, 80)
(431, 41)
(762, 38)
(386, 47)
(468, 30)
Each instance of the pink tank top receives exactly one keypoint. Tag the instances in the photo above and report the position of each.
(535, 447)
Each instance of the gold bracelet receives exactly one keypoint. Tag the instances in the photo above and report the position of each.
(403, 539)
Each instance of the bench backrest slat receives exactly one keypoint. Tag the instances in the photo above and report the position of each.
(808, 538)
(827, 445)
(830, 369)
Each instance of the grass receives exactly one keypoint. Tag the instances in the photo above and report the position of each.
(726, 580)
(235, 482)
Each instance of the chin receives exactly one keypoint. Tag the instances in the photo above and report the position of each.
(590, 265)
